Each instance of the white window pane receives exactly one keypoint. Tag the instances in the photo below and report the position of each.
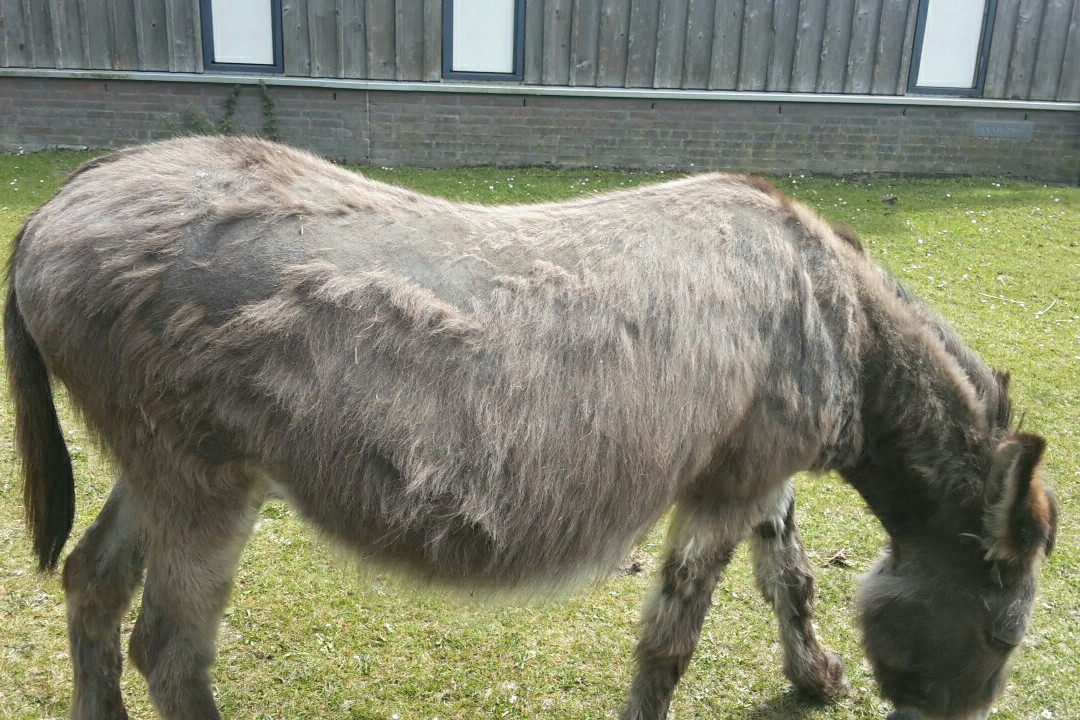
(950, 48)
(483, 36)
(243, 32)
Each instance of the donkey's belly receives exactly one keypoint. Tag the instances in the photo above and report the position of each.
(436, 537)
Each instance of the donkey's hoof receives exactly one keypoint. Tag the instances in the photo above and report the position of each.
(826, 681)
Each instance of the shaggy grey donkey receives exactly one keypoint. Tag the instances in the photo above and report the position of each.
(504, 397)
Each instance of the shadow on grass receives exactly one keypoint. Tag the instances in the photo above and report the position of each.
(786, 706)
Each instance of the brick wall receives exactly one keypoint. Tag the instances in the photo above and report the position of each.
(440, 129)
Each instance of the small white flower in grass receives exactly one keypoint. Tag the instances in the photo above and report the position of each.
(1046, 714)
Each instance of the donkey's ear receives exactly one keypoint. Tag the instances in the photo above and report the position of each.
(1020, 516)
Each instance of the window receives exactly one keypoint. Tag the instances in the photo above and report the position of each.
(242, 35)
(952, 38)
(483, 39)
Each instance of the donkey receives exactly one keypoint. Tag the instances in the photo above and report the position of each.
(504, 397)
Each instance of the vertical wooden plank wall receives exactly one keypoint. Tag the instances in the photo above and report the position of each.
(832, 46)
(1001, 44)
(785, 32)
(557, 35)
(125, 43)
(1025, 45)
(151, 35)
(381, 40)
(756, 46)
(42, 45)
(99, 35)
(829, 46)
(184, 31)
(409, 40)
(865, 26)
(1069, 84)
(613, 43)
(905, 54)
(295, 38)
(67, 34)
(534, 41)
(700, 20)
(892, 44)
(808, 43)
(352, 38)
(727, 44)
(641, 43)
(1051, 49)
(584, 43)
(323, 20)
(671, 44)
(433, 28)
(14, 39)
(832, 70)
(1035, 51)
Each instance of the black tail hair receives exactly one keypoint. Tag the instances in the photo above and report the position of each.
(48, 482)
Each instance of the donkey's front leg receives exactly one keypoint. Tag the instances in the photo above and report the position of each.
(695, 556)
(786, 579)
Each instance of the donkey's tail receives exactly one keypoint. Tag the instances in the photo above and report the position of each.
(48, 483)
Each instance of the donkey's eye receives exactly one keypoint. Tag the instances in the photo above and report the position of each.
(998, 643)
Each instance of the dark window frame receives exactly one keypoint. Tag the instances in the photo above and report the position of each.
(980, 62)
(207, 17)
(448, 73)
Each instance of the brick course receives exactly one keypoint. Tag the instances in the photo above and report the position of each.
(451, 129)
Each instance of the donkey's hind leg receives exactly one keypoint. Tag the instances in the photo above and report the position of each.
(194, 544)
(698, 550)
(100, 576)
(786, 579)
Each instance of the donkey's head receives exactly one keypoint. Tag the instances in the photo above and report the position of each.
(940, 620)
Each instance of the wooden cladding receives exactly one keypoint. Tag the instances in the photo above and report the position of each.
(101, 34)
(810, 46)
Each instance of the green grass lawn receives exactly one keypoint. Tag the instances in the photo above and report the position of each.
(311, 635)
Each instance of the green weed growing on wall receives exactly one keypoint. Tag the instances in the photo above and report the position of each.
(193, 121)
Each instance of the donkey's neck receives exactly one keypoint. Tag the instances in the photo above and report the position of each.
(923, 426)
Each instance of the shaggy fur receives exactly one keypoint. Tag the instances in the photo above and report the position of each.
(496, 396)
